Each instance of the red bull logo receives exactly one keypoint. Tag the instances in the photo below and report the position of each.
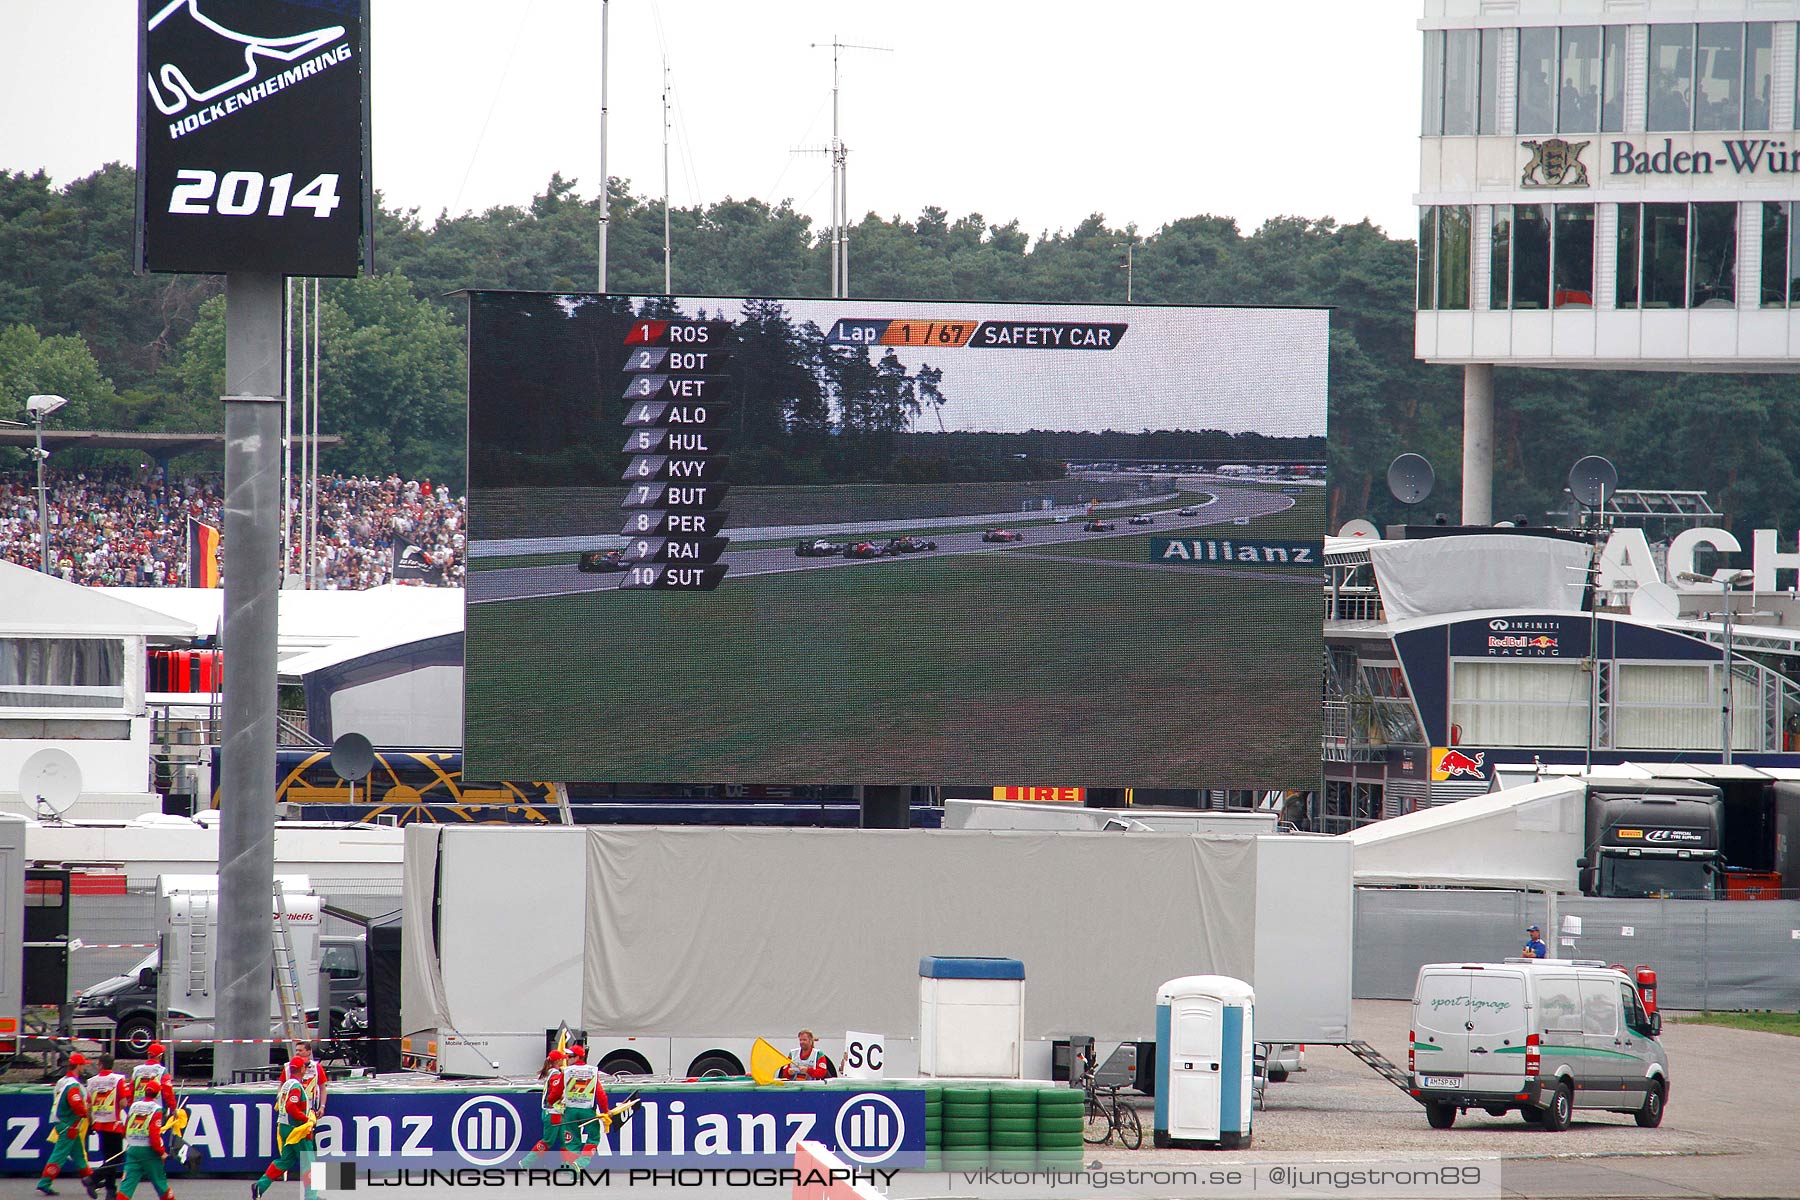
(1454, 764)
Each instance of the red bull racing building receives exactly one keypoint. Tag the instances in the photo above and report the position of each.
(1451, 658)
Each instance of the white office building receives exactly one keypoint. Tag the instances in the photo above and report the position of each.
(1606, 184)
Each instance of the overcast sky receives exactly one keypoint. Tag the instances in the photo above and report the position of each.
(1143, 110)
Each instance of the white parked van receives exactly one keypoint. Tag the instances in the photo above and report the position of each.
(1543, 1037)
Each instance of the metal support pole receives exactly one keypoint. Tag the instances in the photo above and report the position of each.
(253, 408)
(1478, 444)
(43, 506)
(1725, 703)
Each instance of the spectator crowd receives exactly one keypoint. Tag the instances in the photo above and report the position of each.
(129, 528)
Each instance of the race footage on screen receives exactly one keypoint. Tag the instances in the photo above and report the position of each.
(720, 540)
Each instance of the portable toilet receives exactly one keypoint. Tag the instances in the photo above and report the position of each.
(971, 1017)
(1205, 1062)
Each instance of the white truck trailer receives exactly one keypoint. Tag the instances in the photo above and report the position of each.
(676, 947)
(125, 1009)
(12, 933)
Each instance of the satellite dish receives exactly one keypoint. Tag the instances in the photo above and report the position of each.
(1655, 601)
(1359, 528)
(1593, 479)
(50, 781)
(352, 757)
(1410, 478)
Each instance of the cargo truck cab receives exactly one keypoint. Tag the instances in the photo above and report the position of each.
(1540, 1037)
(1651, 842)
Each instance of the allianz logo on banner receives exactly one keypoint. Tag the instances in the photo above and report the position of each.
(492, 1129)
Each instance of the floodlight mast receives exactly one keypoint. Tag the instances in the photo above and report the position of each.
(40, 407)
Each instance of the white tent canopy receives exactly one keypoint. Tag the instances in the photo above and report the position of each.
(33, 604)
(1524, 837)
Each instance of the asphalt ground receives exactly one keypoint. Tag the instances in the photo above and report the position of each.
(1732, 1128)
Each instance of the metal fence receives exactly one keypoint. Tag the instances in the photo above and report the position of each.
(1708, 954)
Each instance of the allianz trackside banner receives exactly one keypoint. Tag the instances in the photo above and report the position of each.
(253, 136)
(234, 1132)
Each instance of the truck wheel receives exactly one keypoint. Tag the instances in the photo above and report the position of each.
(1560, 1109)
(1651, 1115)
(715, 1063)
(1278, 1075)
(1440, 1114)
(133, 1037)
(624, 1062)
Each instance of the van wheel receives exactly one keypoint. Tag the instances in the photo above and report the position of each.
(1651, 1115)
(1495, 1110)
(1532, 1113)
(1278, 1075)
(1560, 1109)
(1441, 1115)
(133, 1037)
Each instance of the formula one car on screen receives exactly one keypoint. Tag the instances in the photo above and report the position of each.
(819, 548)
(1002, 535)
(1192, 510)
(1100, 526)
(866, 550)
(594, 562)
(1141, 519)
(909, 545)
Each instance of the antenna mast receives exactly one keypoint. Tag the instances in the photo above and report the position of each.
(605, 182)
(668, 260)
(840, 201)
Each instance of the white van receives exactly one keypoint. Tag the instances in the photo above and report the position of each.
(1543, 1037)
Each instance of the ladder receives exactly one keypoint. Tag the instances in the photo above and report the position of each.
(287, 977)
(1381, 1065)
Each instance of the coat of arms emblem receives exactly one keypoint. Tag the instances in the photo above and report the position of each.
(1555, 163)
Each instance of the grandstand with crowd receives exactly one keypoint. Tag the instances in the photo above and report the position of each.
(122, 527)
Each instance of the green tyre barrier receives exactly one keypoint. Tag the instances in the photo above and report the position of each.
(1074, 1124)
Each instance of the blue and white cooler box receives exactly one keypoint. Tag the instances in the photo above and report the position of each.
(971, 1017)
(1205, 1062)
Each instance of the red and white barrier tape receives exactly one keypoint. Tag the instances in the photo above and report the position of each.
(280, 1041)
(78, 944)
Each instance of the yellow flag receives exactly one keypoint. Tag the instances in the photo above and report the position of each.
(766, 1061)
(298, 1134)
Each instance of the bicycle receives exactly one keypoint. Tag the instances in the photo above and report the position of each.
(1106, 1116)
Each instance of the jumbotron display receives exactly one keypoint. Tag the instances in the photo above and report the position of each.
(723, 540)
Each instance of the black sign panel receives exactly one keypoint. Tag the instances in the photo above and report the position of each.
(253, 136)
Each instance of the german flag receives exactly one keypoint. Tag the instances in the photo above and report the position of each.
(203, 554)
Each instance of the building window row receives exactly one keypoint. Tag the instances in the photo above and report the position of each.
(1572, 79)
(1677, 256)
(1541, 256)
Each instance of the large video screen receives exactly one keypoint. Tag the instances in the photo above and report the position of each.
(725, 540)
